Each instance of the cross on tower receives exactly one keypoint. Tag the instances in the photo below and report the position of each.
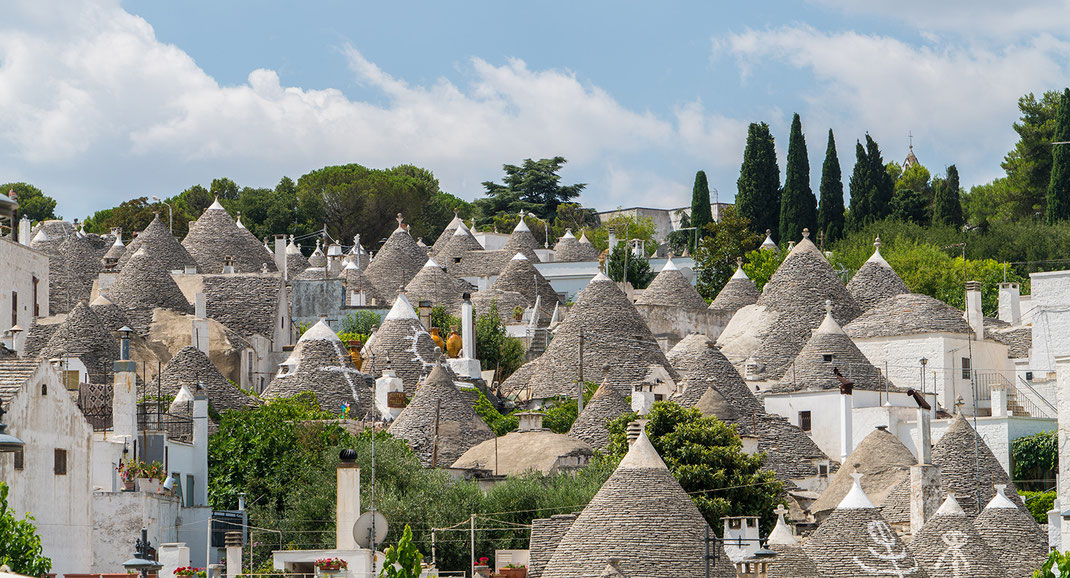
(910, 139)
(780, 511)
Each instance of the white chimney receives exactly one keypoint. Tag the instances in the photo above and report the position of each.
(740, 536)
(24, 230)
(228, 265)
(643, 398)
(846, 425)
(200, 326)
(200, 447)
(124, 390)
(974, 314)
(233, 544)
(467, 364)
(1010, 303)
(925, 444)
(280, 256)
(925, 494)
(529, 421)
(348, 501)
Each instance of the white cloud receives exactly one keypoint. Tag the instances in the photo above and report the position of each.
(959, 99)
(97, 110)
(982, 18)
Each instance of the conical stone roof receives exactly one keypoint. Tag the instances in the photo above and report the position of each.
(567, 248)
(702, 365)
(521, 276)
(190, 367)
(671, 289)
(317, 258)
(446, 233)
(546, 534)
(642, 518)
(433, 284)
(885, 463)
(144, 284)
(829, 349)
(791, 560)
(855, 540)
(117, 248)
(403, 344)
(321, 365)
(72, 270)
(954, 454)
(215, 236)
(505, 301)
(606, 404)
(1013, 535)
(296, 262)
(396, 263)
(949, 545)
(614, 335)
(875, 281)
(908, 314)
(522, 241)
(83, 335)
(170, 254)
(587, 251)
(739, 292)
(797, 293)
(459, 428)
(111, 316)
(456, 246)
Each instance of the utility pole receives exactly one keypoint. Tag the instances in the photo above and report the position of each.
(579, 384)
(472, 538)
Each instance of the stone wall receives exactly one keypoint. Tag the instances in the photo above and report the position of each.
(675, 323)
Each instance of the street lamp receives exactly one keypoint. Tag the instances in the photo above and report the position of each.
(142, 561)
(170, 214)
(8, 442)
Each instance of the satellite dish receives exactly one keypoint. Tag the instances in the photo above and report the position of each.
(362, 529)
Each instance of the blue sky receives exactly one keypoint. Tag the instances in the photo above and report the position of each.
(102, 101)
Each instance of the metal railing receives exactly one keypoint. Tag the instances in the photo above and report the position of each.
(1046, 409)
(154, 416)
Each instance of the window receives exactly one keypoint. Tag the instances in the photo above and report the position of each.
(804, 420)
(44, 389)
(60, 466)
(659, 397)
(36, 304)
(823, 470)
(965, 368)
(827, 357)
(18, 459)
(189, 490)
(14, 307)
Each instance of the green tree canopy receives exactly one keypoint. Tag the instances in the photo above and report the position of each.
(701, 213)
(1028, 165)
(758, 186)
(623, 265)
(20, 546)
(871, 185)
(798, 206)
(830, 215)
(33, 203)
(1058, 198)
(534, 186)
(913, 197)
(706, 456)
(725, 241)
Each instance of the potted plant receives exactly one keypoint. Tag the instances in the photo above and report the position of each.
(149, 476)
(190, 572)
(514, 571)
(331, 566)
(127, 470)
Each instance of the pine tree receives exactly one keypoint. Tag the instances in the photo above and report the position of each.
(861, 187)
(947, 206)
(871, 185)
(883, 186)
(1058, 199)
(798, 206)
(701, 214)
(758, 196)
(830, 217)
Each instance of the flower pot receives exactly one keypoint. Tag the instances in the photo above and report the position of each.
(514, 572)
(128, 486)
(331, 573)
(148, 485)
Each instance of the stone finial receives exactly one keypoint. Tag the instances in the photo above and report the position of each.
(780, 511)
(317, 244)
(768, 232)
(438, 355)
(400, 219)
(263, 269)
(401, 290)
(806, 233)
(828, 306)
(456, 210)
(877, 242)
(291, 238)
(739, 262)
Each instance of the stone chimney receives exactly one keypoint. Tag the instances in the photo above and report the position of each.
(740, 536)
(925, 495)
(974, 315)
(24, 230)
(389, 394)
(530, 421)
(280, 256)
(228, 264)
(334, 259)
(635, 429)
(200, 446)
(233, 542)
(124, 390)
(467, 364)
(348, 503)
(1010, 303)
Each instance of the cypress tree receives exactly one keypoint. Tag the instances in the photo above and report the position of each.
(1058, 199)
(798, 206)
(947, 206)
(758, 196)
(700, 204)
(861, 187)
(883, 187)
(830, 217)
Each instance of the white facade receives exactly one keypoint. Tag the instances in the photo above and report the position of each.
(1049, 307)
(52, 482)
(900, 357)
(23, 288)
(665, 220)
(871, 408)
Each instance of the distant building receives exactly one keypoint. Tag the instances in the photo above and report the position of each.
(665, 220)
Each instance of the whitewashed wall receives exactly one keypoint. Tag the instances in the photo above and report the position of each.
(20, 264)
